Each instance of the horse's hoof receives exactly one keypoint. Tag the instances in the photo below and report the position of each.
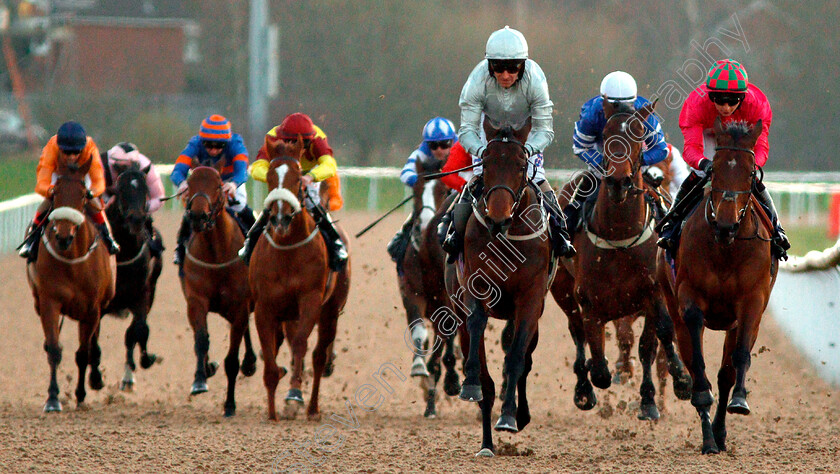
(329, 368)
(95, 381)
(471, 393)
(418, 368)
(648, 412)
(198, 387)
(211, 369)
(506, 423)
(249, 366)
(738, 406)
(710, 448)
(485, 453)
(702, 399)
(682, 386)
(230, 411)
(585, 398)
(52, 406)
(430, 414)
(148, 360)
(294, 395)
(313, 416)
(451, 384)
(127, 386)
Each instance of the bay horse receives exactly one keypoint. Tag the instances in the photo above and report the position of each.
(424, 297)
(616, 241)
(215, 279)
(74, 276)
(294, 289)
(721, 278)
(138, 268)
(503, 273)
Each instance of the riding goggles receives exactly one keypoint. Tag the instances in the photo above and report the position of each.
(512, 66)
(214, 145)
(726, 98)
(440, 144)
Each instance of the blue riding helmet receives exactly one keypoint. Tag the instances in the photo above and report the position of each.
(71, 137)
(439, 129)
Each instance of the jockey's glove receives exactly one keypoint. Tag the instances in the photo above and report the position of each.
(705, 165)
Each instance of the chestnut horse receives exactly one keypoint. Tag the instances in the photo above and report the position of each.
(423, 292)
(503, 273)
(138, 268)
(215, 279)
(617, 241)
(293, 288)
(74, 276)
(721, 278)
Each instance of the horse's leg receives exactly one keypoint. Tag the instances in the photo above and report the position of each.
(476, 323)
(507, 341)
(662, 376)
(433, 364)
(49, 311)
(249, 360)
(515, 360)
(488, 392)
(451, 383)
(267, 330)
(414, 308)
(726, 379)
(647, 352)
(95, 378)
(665, 334)
(748, 322)
(598, 366)
(624, 336)
(584, 397)
(701, 396)
(238, 318)
(197, 310)
(309, 309)
(147, 359)
(326, 335)
(86, 330)
(127, 382)
(523, 412)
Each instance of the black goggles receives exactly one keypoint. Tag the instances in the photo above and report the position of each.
(214, 145)
(440, 144)
(726, 99)
(506, 65)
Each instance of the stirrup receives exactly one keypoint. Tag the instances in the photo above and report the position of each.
(177, 259)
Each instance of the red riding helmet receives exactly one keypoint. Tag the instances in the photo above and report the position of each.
(727, 75)
(295, 125)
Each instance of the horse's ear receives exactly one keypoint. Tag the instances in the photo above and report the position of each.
(756, 130)
(609, 108)
(489, 131)
(522, 134)
(718, 127)
(147, 169)
(647, 110)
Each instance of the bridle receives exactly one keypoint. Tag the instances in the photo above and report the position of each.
(728, 195)
(208, 219)
(636, 163)
(523, 185)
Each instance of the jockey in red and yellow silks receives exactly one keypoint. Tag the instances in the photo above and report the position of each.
(298, 137)
(70, 144)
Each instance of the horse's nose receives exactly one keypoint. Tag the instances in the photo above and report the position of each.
(286, 221)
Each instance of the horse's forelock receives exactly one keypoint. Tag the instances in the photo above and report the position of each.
(737, 129)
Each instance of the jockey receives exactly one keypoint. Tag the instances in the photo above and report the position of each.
(297, 136)
(506, 87)
(122, 155)
(727, 94)
(70, 144)
(588, 140)
(439, 145)
(215, 146)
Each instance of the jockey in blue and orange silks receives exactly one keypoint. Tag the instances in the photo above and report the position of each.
(215, 146)
(617, 87)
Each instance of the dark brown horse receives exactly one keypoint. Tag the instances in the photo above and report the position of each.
(503, 273)
(616, 242)
(423, 292)
(722, 278)
(138, 267)
(293, 288)
(74, 276)
(215, 279)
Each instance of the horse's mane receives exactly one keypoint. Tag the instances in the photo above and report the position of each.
(737, 129)
(506, 132)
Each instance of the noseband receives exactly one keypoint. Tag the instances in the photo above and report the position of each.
(728, 195)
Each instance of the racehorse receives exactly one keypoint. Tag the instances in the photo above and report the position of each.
(293, 288)
(215, 279)
(721, 278)
(74, 276)
(503, 273)
(421, 283)
(616, 240)
(138, 268)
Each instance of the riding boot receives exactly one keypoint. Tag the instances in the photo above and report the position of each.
(336, 249)
(253, 236)
(107, 238)
(155, 243)
(453, 243)
(246, 217)
(399, 244)
(28, 249)
(559, 238)
(780, 242)
(183, 235)
(669, 226)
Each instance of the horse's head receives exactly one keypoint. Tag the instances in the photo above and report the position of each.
(285, 198)
(130, 197)
(623, 134)
(733, 175)
(205, 200)
(69, 196)
(505, 164)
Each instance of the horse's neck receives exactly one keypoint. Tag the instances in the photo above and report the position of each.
(302, 225)
(612, 220)
(220, 240)
(522, 224)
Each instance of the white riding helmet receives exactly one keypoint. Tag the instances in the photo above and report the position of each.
(618, 86)
(506, 43)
